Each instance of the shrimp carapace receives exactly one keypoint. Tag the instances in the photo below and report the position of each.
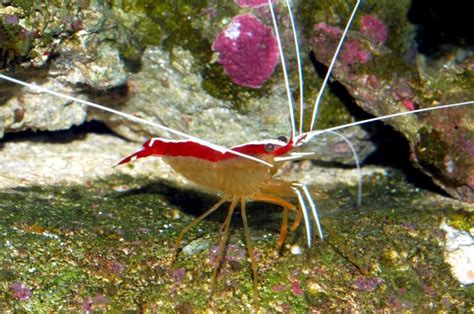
(215, 168)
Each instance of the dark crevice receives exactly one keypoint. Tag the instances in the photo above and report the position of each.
(440, 25)
(63, 136)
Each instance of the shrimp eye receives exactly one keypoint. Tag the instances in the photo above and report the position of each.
(269, 147)
(283, 139)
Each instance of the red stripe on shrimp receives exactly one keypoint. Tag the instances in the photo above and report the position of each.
(161, 147)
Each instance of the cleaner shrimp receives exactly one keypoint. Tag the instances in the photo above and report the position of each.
(248, 172)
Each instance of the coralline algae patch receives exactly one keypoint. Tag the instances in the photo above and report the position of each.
(248, 50)
(354, 51)
(374, 29)
(252, 3)
(325, 42)
(15, 41)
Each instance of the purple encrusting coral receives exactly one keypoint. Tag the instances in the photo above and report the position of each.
(11, 19)
(353, 53)
(252, 3)
(367, 283)
(98, 302)
(20, 291)
(326, 39)
(248, 50)
(372, 28)
(234, 253)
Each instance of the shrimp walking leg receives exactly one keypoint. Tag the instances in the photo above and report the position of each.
(283, 229)
(286, 207)
(248, 242)
(296, 223)
(194, 223)
(222, 244)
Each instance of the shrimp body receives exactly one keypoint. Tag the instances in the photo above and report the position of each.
(217, 169)
(239, 179)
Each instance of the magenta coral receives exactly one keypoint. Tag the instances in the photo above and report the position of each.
(248, 50)
(373, 29)
(353, 53)
(331, 30)
(252, 3)
(367, 283)
(326, 39)
(20, 291)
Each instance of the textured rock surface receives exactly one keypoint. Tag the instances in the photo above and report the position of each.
(73, 47)
(153, 60)
(383, 82)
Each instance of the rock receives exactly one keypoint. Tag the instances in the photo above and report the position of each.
(81, 55)
(155, 63)
(459, 253)
(382, 82)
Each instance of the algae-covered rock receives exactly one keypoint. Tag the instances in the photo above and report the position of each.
(376, 70)
(71, 47)
(153, 60)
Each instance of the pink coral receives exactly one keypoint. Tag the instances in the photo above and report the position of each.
(408, 104)
(296, 288)
(367, 283)
(373, 29)
(20, 291)
(325, 41)
(353, 53)
(234, 253)
(330, 30)
(252, 3)
(248, 50)
(96, 303)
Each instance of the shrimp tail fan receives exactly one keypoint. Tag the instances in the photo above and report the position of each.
(147, 149)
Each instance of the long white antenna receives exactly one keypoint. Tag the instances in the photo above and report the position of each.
(285, 73)
(303, 208)
(314, 210)
(300, 67)
(331, 66)
(311, 134)
(357, 161)
(130, 117)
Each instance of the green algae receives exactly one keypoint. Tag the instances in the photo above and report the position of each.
(108, 245)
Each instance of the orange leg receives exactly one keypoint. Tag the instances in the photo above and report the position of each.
(253, 262)
(284, 226)
(286, 206)
(221, 249)
(296, 223)
(272, 199)
(194, 223)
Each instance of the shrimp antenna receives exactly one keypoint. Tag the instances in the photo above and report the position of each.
(307, 222)
(300, 67)
(314, 210)
(285, 73)
(331, 66)
(129, 117)
(357, 161)
(312, 134)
